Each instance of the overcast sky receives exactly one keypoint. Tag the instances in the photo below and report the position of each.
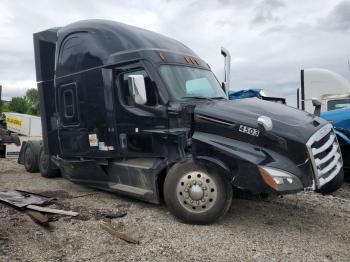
(269, 40)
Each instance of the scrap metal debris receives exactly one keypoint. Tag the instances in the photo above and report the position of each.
(110, 229)
(32, 204)
(22, 199)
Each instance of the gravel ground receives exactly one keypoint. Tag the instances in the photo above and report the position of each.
(302, 227)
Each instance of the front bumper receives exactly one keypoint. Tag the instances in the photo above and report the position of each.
(326, 163)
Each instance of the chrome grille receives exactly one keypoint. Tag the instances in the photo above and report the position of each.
(325, 155)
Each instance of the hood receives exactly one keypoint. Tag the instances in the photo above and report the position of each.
(287, 121)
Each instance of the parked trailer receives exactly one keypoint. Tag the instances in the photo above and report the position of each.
(137, 113)
(23, 124)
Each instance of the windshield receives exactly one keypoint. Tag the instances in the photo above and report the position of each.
(191, 83)
(338, 104)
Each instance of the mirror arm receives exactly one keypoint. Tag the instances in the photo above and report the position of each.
(317, 104)
(223, 87)
(317, 111)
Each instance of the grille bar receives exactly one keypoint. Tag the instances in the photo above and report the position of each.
(325, 155)
(326, 145)
(330, 166)
(331, 175)
(328, 156)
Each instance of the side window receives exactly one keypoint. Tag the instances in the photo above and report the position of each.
(68, 105)
(69, 54)
(151, 91)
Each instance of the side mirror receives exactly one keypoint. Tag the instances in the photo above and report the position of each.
(265, 123)
(317, 104)
(137, 89)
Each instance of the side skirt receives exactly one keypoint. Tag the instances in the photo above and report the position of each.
(136, 177)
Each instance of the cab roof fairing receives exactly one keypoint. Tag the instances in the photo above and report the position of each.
(117, 38)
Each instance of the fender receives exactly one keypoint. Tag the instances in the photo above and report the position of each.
(234, 158)
(215, 163)
(205, 144)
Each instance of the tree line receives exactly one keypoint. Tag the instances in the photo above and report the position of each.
(28, 104)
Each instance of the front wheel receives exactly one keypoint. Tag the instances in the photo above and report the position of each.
(196, 194)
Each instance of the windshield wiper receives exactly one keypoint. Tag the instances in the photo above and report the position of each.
(203, 98)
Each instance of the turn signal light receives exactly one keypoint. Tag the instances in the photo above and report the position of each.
(268, 179)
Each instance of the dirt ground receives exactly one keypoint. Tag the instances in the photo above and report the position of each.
(302, 227)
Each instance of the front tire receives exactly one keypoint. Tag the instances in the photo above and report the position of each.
(332, 185)
(196, 194)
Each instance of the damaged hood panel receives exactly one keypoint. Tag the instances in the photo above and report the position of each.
(287, 122)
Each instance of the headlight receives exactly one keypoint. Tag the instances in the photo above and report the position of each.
(280, 180)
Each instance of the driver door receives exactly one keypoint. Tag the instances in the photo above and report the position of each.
(139, 125)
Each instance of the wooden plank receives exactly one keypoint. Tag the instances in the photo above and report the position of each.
(37, 217)
(52, 211)
(110, 229)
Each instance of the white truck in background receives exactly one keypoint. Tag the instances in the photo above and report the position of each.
(332, 93)
(332, 89)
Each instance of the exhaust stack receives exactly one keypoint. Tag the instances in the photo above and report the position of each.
(227, 68)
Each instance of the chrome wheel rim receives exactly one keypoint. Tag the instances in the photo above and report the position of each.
(196, 191)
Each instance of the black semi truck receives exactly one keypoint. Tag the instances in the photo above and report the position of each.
(140, 114)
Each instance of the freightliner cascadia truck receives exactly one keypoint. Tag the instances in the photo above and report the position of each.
(140, 114)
